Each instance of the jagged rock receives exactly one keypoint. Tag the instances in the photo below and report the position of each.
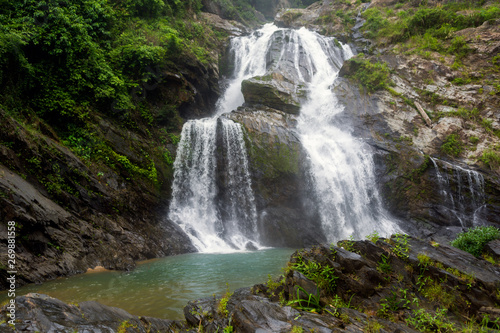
(42, 313)
(374, 286)
(493, 249)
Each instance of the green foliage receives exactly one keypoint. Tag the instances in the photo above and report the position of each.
(347, 244)
(373, 237)
(436, 22)
(425, 321)
(452, 145)
(401, 247)
(397, 301)
(323, 275)
(474, 240)
(373, 76)
(491, 159)
(222, 306)
(384, 265)
(311, 304)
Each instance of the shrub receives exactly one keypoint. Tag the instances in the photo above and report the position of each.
(490, 158)
(452, 145)
(474, 240)
(373, 76)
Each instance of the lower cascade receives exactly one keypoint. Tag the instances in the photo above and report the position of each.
(213, 224)
(213, 201)
(462, 191)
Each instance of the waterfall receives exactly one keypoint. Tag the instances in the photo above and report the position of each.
(341, 166)
(220, 220)
(212, 197)
(462, 191)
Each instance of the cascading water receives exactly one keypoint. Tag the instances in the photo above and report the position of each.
(468, 198)
(219, 222)
(341, 166)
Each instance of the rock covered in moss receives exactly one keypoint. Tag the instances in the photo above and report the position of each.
(280, 180)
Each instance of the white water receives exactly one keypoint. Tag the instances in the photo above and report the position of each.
(220, 222)
(341, 166)
(469, 195)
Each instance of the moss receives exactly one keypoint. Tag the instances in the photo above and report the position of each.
(273, 158)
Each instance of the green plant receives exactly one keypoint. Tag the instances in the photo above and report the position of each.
(373, 237)
(384, 265)
(222, 306)
(347, 244)
(490, 158)
(123, 326)
(452, 145)
(474, 239)
(373, 327)
(297, 329)
(311, 304)
(401, 248)
(372, 76)
(474, 140)
(435, 291)
(323, 275)
(425, 321)
(423, 260)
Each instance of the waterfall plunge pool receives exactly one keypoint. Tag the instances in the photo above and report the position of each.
(162, 287)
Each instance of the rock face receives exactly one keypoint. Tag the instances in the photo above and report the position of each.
(70, 218)
(272, 91)
(280, 180)
(423, 185)
(432, 191)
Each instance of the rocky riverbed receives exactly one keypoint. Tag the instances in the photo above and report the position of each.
(401, 284)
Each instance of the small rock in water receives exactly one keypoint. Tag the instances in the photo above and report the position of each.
(251, 246)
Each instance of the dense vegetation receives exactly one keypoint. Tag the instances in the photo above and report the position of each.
(73, 57)
(64, 65)
(475, 239)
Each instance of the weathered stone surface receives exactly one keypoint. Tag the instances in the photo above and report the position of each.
(70, 217)
(373, 286)
(493, 248)
(271, 91)
(41, 313)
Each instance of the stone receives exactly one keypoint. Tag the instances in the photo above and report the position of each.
(42, 313)
(493, 249)
(272, 93)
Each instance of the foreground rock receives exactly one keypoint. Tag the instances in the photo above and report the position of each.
(41, 313)
(400, 284)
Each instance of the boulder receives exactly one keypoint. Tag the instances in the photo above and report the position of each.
(273, 91)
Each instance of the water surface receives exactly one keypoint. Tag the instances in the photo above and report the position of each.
(162, 287)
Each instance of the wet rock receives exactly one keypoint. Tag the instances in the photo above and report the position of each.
(41, 313)
(493, 249)
(66, 214)
(274, 92)
(280, 181)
